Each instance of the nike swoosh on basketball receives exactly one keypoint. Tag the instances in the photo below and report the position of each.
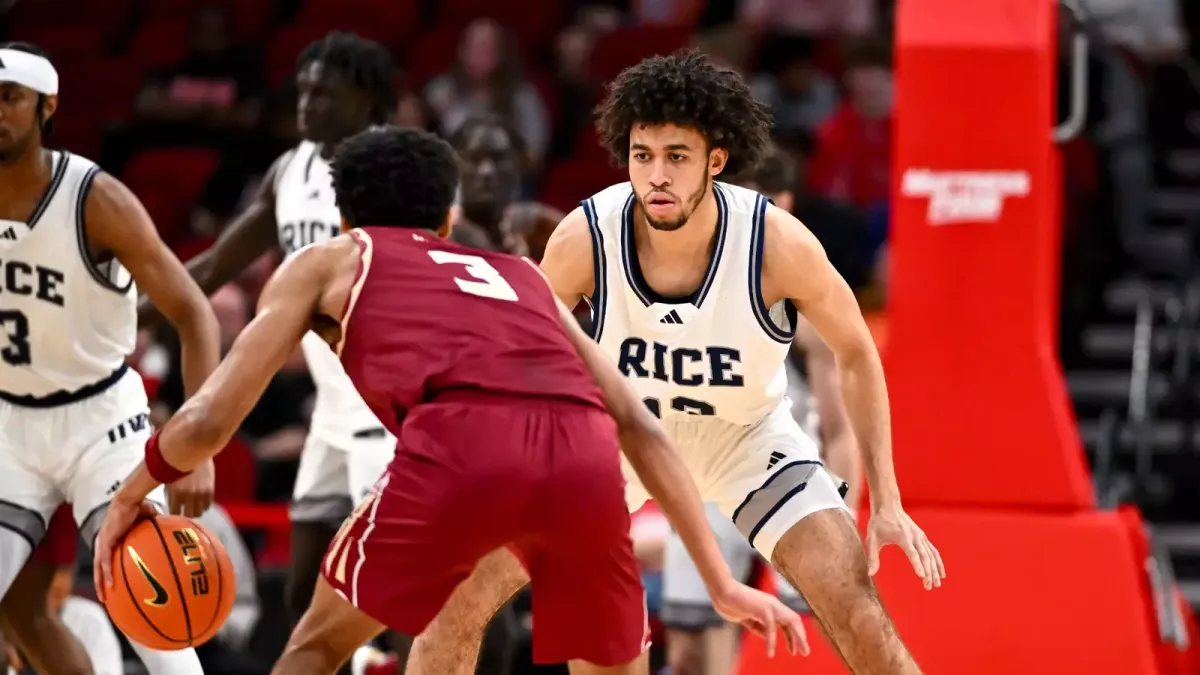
(160, 594)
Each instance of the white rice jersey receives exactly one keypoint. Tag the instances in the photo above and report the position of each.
(307, 213)
(66, 323)
(720, 351)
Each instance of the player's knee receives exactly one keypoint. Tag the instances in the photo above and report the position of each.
(685, 651)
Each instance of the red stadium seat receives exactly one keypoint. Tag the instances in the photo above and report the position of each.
(100, 87)
(62, 42)
(249, 18)
(102, 19)
(160, 43)
(398, 18)
(289, 41)
(169, 182)
(574, 180)
(432, 54)
(624, 47)
(238, 473)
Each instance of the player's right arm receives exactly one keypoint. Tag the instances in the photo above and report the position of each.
(248, 236)
(567, 262)
(666, 478)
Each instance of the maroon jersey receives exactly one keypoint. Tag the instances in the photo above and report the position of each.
(427, 316)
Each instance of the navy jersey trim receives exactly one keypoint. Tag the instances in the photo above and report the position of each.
(60, 398)
(599, 299)
(633, 266)
(762, 313)
(107, 280)
(56, 180)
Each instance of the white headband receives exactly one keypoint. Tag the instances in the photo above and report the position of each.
(28, 70)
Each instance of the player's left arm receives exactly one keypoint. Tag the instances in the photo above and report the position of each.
(117, 222)
(795, 267)
(839, 447)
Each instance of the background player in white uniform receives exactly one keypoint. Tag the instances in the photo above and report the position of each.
(699, 641)
(694, 287)
(345, 84)
(73, 416)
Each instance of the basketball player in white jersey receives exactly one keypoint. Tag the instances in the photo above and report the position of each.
(73, 416)
(345, 84)
(694, 287)
(699, 641)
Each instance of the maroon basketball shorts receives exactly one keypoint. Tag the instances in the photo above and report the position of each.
(475, 473)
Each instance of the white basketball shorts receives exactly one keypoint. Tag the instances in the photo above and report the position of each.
(764, 477)
(332, 480)
(78, 452)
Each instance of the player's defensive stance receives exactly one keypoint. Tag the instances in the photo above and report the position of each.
(503, 437)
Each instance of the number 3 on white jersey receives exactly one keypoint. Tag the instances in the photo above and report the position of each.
(489, 285)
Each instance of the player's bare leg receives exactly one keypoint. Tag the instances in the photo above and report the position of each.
(823, 557)
(327, 635)
(708, 651)
(450, 644)
(38, 635)
(639, 666)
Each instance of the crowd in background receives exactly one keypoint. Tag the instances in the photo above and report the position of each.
(204, 90)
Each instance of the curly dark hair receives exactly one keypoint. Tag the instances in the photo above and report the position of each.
(395, 177)
(366, 64)
(29, 48)
(686, 89)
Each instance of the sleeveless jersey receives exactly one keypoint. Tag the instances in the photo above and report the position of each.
(65, 322)
(718, 352)
(428, 317)
(306, 213)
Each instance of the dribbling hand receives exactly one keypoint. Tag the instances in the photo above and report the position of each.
(891, 525)
(120, 517)
(763, 615)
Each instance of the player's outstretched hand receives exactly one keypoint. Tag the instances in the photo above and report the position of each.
(891, 525)
(120, 517)
(192, 495)
(764, 615)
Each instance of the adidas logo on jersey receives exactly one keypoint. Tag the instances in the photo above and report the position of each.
(9, 234)
(671, 317)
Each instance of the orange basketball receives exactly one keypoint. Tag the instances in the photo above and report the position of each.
(173, 584)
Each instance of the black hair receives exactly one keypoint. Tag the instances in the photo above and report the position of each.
(688, 90)
(368, 65)
(396, 177)
(47, 123)
(487, 121)
(774, 174)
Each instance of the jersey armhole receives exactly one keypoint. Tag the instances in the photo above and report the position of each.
(762, 313)
(366, 251)
(106, 278)
(598, 300)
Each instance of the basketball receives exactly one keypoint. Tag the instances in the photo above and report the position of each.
(173, 584)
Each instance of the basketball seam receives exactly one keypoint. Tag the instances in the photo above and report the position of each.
(133, 601)
(187, 616)
(220, 580)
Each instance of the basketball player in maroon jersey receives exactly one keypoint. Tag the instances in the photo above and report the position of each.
(491, 389)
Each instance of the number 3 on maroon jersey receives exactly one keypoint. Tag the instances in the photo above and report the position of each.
(488, 282)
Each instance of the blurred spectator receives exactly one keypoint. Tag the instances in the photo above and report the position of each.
(212, 98)
(87, 620)
(226, 653)
(411, 111)
(669, 12)
(487, 78)
(724, 45)
(852, 163)
(810, 17)
(1151, 29)
(576, 90)
(842, 230)
(799, 95)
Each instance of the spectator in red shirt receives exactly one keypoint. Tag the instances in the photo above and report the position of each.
(854, 146)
